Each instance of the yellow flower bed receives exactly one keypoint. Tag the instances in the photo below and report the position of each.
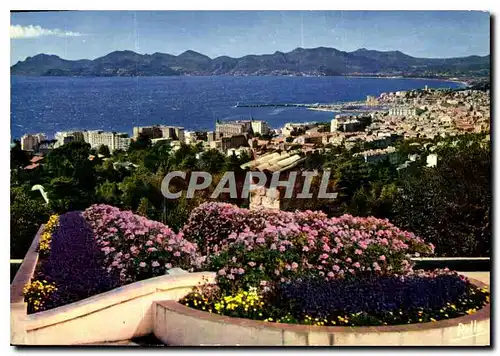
(247, 301)
(37, 292)
(46, 237)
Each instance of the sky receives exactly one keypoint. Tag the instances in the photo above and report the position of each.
(92, 34)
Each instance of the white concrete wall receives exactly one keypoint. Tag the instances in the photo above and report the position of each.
(178, 325)
(120, 314)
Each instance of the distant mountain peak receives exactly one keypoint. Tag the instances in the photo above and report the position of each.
(192, 54)
(43, 56)
(125, 51)
(319, 61)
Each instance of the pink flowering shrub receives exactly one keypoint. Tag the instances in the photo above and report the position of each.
(136, 247)
(254, 248)
(210, 224)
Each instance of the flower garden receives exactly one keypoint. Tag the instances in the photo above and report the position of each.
(273, 266)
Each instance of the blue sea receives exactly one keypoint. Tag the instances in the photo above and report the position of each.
(51, 104)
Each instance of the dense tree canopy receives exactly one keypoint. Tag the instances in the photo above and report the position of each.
(448, 205)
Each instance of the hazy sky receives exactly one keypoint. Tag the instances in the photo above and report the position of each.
(91, 34)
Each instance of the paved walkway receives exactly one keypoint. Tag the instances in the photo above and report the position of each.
(480, 276)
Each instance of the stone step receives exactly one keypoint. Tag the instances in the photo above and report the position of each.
(144, 341)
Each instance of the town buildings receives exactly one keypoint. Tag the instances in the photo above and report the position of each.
(425, 113)
(402, 111)
(175, 133)
(377, 155)
(230, 135)
(371, 100)
(349, 123)
(296, 128)
(232, 128)
(31, 142)
(193, 137)
(64, 137)
(149, 131)
(226, 143)
(96, 138)
(260, 127)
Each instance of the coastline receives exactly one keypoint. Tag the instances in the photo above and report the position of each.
(465, 84)
(451, 80)
(244, 75)
(274, 121)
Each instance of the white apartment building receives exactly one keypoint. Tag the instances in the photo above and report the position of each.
(344, 123)
(175, 133)
(372, 156)
(30, 142)
(114, 141)
(232, 128)
(96, 138)
(121, 141)
(402, 111)
(64, 137)
(260, 127)
(334, 126)
(290, 127)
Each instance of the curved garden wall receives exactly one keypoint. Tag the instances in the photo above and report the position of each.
(176, 324)
(122, 313)
(150, 306)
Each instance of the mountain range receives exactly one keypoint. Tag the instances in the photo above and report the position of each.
(320, 61)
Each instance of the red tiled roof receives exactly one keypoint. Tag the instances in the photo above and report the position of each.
(32, 166)
(36, 159)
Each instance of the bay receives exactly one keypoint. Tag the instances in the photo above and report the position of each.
(51, 104)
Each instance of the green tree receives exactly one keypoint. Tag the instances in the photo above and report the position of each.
(27, 213)
(157, 156)
(18, 157)
(72, 160)
(104, 151)
(108, 193)
(134, 188)
(450, 205)
(66, 194)
(212, 161)
(146, 209)
(142, 142)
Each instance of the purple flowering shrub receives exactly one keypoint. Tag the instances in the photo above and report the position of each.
(136, 247)
(380, 300)
(252, 248)
(368, 300)
(74, 265)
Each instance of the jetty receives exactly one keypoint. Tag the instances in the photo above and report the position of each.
(358, 106)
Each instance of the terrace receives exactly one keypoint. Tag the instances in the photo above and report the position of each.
(146, 311)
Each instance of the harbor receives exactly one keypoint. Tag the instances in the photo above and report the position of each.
(357, 106)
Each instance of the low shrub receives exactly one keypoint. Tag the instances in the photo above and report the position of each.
(136, 247)
(270, 246)
(367, 301)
